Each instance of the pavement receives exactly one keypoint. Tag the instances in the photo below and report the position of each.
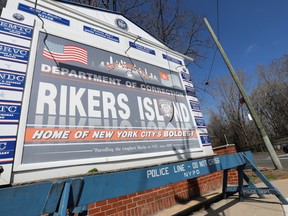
(213, 205)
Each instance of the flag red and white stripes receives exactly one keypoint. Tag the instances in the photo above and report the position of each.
(65, 53)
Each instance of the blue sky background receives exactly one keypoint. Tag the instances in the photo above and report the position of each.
(252, 32)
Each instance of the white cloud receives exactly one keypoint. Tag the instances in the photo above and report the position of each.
(251, 48)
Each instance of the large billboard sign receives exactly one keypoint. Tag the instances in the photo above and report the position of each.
(103, 105)
(79, 92)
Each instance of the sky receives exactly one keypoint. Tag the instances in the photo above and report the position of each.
(252, 32)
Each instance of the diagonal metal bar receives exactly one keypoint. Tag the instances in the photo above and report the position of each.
(270, 186)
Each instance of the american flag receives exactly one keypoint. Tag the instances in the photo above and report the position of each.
(65, 53)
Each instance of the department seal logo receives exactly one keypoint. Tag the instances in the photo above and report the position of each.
(3, 146)
(121, 24)
(18, 17)
(166, 109)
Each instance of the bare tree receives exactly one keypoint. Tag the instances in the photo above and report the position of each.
(95, 3)
(230, 118)
(167, 20)
(176, 26)
(218, 128)
(121, 6)
(2, 5)
(271, 96)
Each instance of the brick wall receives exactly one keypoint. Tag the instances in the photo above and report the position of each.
(224, 150)
(151, 201)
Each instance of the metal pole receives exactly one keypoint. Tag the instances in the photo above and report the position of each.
(225, 139)
(253, 113)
